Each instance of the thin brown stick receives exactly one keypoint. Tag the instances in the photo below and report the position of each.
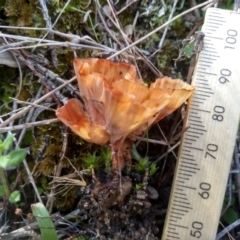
(29, 125)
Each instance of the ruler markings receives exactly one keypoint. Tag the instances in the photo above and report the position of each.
(209, 33)
(205, 50)
(189, 167)
(194, 117)
(206, 62)
(196, 101)
(198, 75)
(205, 65)
(185, 150)
(215, 16)
(197, 125)
(206, 53)
(202, 83)
(203, 95)
(190, 139)
(184, 202)
(215, 20)
(215, 13)
(172, 232)
(177, 205)
(208, 73)
(190, 135)
(196, 105)
(179, 189)
(177, 213)
(180, 198)
(173, 220)
(172, 237)
(192, 188)
(199, 149)
(202, 91)
(179, 226)
(195, 133)
(175, 217)
(190, 155)
(207, 43)
(185, 174)
(172, 228)
(198, 129)
(201, 110)
(205, 91)
(185, 170)
(189, 159)
(182, 181)
(180, 210)
(212, 59)
(211, 24)
(213, 37)
(201, 79)
(195, 164)
(194, 112)
(181, 192)
(203, 87)
(199, 98)
(219, 24)
(212, 29)
(184, 178)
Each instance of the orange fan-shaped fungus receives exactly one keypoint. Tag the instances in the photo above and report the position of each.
(118, 103)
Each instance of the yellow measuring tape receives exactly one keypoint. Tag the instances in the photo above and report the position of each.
(206, 148)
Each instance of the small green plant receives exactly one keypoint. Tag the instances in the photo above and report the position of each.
(15, 157)
(140, 186)
(105, 155)
(143, 164)
(91, 161)
(12, 159)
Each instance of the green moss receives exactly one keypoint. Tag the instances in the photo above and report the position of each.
(24, 13)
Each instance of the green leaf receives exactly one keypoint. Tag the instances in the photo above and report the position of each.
(230, 216)
(153, 169)
(15, 197)
(2, 192)
(7, 143)
(4, 160)
(135, 153)
(44, 221)
(14, 158)
(188, 50)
